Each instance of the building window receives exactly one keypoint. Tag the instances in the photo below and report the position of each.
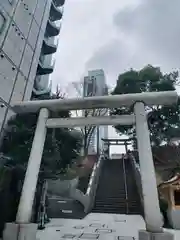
(91, 87)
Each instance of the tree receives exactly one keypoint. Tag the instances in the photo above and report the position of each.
(61, 146)
(61, 149)
(88, 89)
(163, 121)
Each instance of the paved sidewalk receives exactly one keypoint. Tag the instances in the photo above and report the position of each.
(94, 226)
(97, 226)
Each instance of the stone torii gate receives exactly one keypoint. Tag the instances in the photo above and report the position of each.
(22, 228)
(111, 142)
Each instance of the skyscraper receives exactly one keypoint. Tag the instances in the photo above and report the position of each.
(28, 31)
(95, 85)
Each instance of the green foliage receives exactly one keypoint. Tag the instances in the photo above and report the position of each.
(61, 146)
(163, 120)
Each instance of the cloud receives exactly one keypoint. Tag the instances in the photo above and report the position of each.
(147, 33)
(112, 57)
(154, 25)
(86, 27)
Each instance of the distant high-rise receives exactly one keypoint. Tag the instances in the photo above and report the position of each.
(95, 85)
(28, 31)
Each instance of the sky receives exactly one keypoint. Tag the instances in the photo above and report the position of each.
(115, 36)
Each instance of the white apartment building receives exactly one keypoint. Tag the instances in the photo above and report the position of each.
(28, 38)
(95, 85)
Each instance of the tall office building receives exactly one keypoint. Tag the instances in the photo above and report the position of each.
(28, 32)
(95, 85)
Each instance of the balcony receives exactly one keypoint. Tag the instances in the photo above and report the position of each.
(42, 69)
(42, 85)
(55, 12)
(59, 3)
(52, 29)
(49, 45)
(45, 65)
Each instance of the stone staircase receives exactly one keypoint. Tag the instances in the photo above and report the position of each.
(117, 192)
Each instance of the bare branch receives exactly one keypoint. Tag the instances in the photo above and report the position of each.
(88, 137)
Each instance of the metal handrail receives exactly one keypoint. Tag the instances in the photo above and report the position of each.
(93, 175)
(91, 179)
(125, 185)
